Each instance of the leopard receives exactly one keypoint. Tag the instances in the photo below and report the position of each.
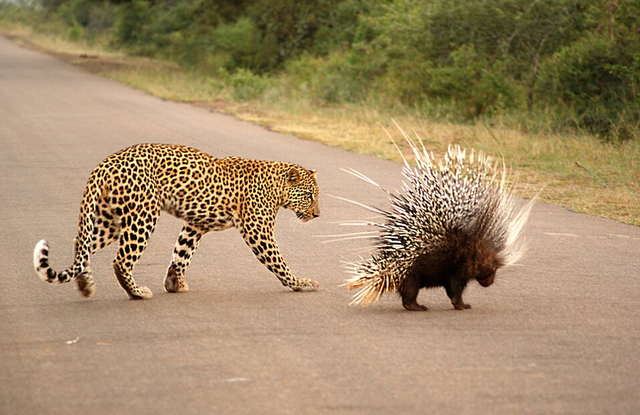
(127, 191)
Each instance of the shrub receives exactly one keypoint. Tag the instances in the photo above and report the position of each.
(246, 85)
(287, 28)
(595, 82)
(238, 45)
(332, 79)
(131, 24)
(472, 84)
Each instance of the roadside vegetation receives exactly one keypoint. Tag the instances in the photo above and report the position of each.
(552, 86)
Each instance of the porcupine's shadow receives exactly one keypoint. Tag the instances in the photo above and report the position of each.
(434, 299)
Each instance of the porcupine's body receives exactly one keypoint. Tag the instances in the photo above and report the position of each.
(454, 221)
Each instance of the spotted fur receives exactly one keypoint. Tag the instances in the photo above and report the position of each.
(126, 192)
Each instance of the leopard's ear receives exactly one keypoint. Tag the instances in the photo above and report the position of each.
(314, 173)
(293, 177)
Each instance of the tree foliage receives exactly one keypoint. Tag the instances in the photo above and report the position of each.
(579, 60)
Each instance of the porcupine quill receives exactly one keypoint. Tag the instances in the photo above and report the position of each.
(454, 220)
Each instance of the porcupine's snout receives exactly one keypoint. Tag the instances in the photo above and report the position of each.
(486, 281)
(488, 265)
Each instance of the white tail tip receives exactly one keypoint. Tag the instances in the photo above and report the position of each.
(41, 259)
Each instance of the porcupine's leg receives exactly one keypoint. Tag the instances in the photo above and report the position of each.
(409, 292)
(454, 288)
(186, 246)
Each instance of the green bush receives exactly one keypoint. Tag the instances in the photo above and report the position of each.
(573, 63)
(287, 28)
(417, 51)
(473, 86)
(341, 26)
(246, 85)
(237, 44)
(76, 12)
(187, 32)
(595, 82)
(332, 79)
(86, 19)
(130, 28)
(19, 13)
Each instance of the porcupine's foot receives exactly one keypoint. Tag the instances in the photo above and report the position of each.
(458, 304)
(414, 307)
(409, 293)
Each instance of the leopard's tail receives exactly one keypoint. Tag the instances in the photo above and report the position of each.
(82, 253)
(80, 266)
(41, 263)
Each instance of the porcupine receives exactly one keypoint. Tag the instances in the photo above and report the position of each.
(454, 221)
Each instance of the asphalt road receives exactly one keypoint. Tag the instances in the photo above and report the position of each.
(559, 333)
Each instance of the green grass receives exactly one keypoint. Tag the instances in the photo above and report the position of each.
(577, 171)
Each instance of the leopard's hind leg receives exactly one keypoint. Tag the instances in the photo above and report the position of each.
(134, 234)
(105, 231)
(184, 249)
(85, 281)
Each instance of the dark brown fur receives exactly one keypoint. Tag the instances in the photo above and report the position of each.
(464, 259)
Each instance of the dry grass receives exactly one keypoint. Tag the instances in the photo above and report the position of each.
(578, 171)
(575, 171)
(27, 37)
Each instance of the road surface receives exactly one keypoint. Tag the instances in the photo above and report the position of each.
(559, 333)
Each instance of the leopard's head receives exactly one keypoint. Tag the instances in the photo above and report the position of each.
(301, 193)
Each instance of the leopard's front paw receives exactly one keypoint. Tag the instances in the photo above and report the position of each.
(306, 284)
(141, 293)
